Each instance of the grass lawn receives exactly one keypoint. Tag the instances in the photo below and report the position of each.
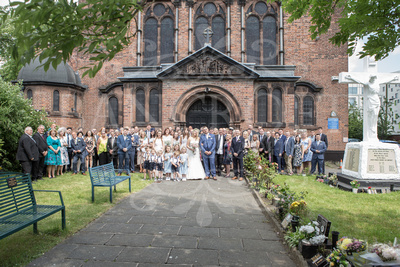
(374, 218)
(24, 246)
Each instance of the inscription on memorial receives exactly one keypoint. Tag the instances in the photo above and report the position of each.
(382, 161)
(352, 159)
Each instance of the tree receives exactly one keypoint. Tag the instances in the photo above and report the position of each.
(53, 29)
(16, 114)
(378, 20)
(355, 122)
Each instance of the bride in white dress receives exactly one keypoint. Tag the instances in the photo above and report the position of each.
(195, 169)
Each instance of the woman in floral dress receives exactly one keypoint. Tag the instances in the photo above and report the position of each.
(227, 154)
(63, 152)
(89, 140)
(298, 154)
(53, 158)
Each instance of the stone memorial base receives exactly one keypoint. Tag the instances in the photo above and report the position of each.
(373, 164)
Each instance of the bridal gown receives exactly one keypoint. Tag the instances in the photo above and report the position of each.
(195, 169)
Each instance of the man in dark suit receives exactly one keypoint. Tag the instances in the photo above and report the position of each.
(78, 148)
(318, 148)
(269, 146)
(124, 144)
(37, 169)
(219, 151)
(251, 131)
(289, 152)
(278, 150)
(324, 138)
(132, 151)
(95, 154)
(237, 148)
(28, 151)
(112, 148)
(261, 138)
(69, 138)
(207, 147)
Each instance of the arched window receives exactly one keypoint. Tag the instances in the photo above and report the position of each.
(75, 102)
(200, 25)
(253, 39)
(218, 38)
(261, 27)
(308, 110)
(154, 106)
(276, 105)
(269, 40)
(296, 110)
(158, 35)
(140, 106)
(262, 105)
(56, 101)
(150, 42)
(210, 15)
(113, 110)
(167, 40)
(29, 94)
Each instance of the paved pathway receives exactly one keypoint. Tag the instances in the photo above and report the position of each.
(193, 223)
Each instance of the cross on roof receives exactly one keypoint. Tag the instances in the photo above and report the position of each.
(208, 33)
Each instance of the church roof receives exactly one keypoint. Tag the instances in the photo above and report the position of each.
(64, 75)
(210, 63)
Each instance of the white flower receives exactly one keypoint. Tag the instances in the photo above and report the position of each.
(317, 240)
(307, 228)
(389, 253)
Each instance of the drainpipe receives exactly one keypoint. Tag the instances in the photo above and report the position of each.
(281, 47)
(229, 29)
(176, 31)
(190, 4)
(242, 30)
(139, 39)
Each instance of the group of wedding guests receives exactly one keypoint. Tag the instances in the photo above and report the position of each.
(173, 154)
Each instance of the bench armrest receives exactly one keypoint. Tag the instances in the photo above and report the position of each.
(53, 191)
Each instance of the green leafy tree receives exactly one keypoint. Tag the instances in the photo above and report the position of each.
(16, 114)
(355, 122)
(53, 30)
(376, 20)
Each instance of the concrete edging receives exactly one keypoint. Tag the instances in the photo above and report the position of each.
(268, 212)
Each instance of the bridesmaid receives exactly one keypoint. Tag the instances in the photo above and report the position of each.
(53, 158)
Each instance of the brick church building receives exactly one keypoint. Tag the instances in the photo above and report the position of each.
(216, 63)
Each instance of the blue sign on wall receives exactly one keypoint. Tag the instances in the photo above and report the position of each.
(333, 123)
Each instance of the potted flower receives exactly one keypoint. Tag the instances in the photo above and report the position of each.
(297, 209)
(307, 238)
(355, 185)
(337, 258)
(354, 248)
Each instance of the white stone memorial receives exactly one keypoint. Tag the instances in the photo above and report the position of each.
(370, 160)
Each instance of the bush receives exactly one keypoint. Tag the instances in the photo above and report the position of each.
(16, 114)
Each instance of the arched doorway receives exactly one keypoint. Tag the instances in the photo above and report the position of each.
(208, 111)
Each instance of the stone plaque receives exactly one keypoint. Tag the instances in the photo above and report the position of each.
(352, 159)
(382, 161)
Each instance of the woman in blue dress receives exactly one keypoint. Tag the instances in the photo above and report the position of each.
(53, 158)
(183, 169)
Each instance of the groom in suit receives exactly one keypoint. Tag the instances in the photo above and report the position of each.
(207, 146)
(318, 148)
(237, 148)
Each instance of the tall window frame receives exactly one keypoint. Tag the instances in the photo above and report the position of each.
(210, 14)
(262, 105)
(154, 105)
(277, 106)
(113, 111)
(158, 35)
(56, 100)
(29, 94)
(261, 33)
(308, 110)
(140, 105)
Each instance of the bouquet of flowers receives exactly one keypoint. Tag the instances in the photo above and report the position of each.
(386, 252)
(355, 184)
(309, 233)
(167, 143)
(351, 245)
(298, 207)
(194, 146)
(337, 258)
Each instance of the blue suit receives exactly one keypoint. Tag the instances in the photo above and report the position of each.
(318, 157)
(208, 144)
(78, 144)
(132, 151)
(278, 149)
(124, 156)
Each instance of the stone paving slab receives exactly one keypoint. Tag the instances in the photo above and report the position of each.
(193, 223)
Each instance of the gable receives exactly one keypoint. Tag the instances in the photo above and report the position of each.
(208, 63)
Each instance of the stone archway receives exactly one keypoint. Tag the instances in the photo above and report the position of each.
(218, 104)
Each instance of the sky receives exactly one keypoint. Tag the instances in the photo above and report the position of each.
(389, 64)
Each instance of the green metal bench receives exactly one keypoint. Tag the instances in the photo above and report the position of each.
(104, 176)
(18, 207)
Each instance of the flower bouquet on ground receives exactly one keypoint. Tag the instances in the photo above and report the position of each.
(337, 259)
(386, 252)
(354, 248)
(355, 184)
(310, 234)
